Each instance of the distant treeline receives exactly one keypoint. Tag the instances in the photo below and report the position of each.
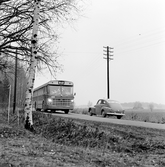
(145, 105)
(132, 105)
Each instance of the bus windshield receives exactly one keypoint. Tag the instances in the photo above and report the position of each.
(60, 90)
(67, 90)
(54, 90)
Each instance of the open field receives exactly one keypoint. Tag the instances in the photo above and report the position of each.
(145, 115)
(70, 142)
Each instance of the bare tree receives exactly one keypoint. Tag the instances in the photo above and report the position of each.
(151, 106)
(31, 37)
(16, 24)
(89, 104)
(137, 105)
(4, 89)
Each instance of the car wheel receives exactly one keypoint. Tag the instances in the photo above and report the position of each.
(103, 114)
(119, 117)
(90, 112)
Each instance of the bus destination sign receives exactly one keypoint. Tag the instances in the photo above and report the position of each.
(61, 82)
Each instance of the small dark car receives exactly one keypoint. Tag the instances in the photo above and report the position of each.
(106, 107)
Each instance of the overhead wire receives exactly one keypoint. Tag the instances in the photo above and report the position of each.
(138, 48)
(140, 42)
(141, 34)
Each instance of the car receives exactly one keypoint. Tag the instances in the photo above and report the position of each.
(107, 107)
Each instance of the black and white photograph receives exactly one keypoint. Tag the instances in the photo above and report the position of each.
(82, 83)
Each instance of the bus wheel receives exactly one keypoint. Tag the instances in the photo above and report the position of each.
(35, 106)
(66, 111)
(53, 111)
(42, 109)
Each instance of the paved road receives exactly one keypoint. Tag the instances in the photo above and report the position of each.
(111, 120)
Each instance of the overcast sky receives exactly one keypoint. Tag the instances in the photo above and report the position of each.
(136, 31)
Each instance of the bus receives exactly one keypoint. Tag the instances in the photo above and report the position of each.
(54, 95)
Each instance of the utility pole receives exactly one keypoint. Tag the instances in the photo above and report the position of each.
(108, 58)
(9, 103)
(15, 83)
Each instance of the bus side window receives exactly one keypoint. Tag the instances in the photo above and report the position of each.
(45, 90)
(40, 91)
(35, 93)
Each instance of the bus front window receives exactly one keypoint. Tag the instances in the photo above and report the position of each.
(54, 90)
(67, 90)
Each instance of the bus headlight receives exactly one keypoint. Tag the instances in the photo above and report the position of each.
(50, 100)
(72, 100)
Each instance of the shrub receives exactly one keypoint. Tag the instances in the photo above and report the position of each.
(163, 120)
(76, 111)
(85, 111)
(67, 132)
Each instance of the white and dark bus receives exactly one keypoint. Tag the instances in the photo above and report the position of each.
(54, 95)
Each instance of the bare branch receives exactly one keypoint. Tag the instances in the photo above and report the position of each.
(16, 27)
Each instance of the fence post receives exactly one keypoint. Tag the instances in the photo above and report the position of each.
(9, 103)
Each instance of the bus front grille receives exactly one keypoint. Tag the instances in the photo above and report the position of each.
(61, 102)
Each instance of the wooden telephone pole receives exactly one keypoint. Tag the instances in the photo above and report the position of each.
(15, 83)
(108, 58)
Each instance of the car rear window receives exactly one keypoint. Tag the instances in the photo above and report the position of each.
(116, 106)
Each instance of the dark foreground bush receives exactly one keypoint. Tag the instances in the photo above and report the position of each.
(68, 132)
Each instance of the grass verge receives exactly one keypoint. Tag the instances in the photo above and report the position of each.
(70, 142)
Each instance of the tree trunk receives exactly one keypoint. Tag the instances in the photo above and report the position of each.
(32, 69)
